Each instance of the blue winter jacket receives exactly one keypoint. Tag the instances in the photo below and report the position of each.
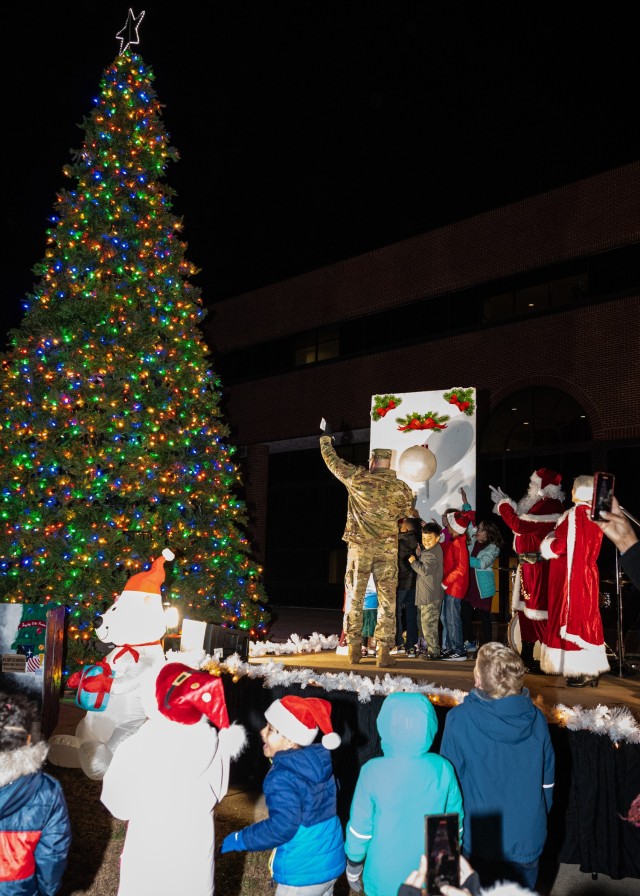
(300, 792)
(386, 827)
(501, 751)
(482, 564)
(34, 825)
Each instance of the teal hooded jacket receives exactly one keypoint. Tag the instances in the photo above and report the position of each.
(394, 792)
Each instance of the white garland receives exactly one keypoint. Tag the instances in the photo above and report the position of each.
(295, 644)
(618, 723)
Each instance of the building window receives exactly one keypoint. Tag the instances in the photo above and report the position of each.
(535, 419)
(318, 345)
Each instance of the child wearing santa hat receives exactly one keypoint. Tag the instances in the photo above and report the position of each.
(300, 792)
(165, 781)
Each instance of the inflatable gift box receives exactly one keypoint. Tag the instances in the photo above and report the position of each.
(92, 701)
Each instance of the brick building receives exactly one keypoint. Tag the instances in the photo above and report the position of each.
(536, 304)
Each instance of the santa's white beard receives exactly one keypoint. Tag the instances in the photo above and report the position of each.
(527, 501)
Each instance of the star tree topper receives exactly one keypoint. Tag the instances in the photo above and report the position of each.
(129, 34)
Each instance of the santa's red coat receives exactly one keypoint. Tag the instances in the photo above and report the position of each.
(574, 638)
(531, 582)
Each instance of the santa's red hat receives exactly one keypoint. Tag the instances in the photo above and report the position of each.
(185, 695)
(299, 718)
(460, 520)
(149, 581)
(545, 477)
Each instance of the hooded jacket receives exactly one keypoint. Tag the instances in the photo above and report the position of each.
(303, 828)
(394, 792)
(35, 833)
(505, 812)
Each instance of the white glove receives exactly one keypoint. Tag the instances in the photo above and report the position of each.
(497, 494)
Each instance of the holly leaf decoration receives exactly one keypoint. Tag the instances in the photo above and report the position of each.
(415, 421)
(463, 400)
(382, 404)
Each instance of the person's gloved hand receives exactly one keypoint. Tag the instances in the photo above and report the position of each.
(233, 843)
(354, 876)
(497, 494)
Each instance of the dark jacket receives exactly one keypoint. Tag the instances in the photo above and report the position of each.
(34, 825)
(631, 563)
(300, 792)
(407, 542)
(501, 751)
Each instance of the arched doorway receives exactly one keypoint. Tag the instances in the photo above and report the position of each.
(539, 426)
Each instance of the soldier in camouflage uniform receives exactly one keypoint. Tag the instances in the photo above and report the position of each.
(377, 500)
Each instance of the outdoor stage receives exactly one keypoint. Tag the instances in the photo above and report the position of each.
(597, 760)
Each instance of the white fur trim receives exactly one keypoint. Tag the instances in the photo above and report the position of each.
(556, 661)
(546, 549)
(22, 761)
(168, 554)
(517, 602)
(232, 740)
(507, 889)
(508, 501)
(331, 741)
(535, 614)
(539, 518)
(289, 726)
(452, 522)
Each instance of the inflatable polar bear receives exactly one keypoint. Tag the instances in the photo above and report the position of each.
(135, 623)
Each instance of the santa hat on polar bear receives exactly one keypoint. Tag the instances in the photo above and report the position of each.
(149, 581)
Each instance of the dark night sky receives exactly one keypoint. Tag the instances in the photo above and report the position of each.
(312, 131)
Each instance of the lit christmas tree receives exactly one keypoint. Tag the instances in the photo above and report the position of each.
(112, 443)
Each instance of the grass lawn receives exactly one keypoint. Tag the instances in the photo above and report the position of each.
(93, 867)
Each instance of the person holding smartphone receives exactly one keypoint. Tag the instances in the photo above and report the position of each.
(619, 530)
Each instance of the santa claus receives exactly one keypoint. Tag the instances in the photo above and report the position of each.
(574, 640)
(530, 520)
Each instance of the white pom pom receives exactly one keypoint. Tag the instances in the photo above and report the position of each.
(331, 741)
(168, 554)
(232, 740)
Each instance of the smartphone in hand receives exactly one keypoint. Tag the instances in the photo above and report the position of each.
(603, 484)
(442, 849)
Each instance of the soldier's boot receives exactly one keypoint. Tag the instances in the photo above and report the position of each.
(383, 658)
(355, 652)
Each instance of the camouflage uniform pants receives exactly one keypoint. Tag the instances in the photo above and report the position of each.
(381, 559)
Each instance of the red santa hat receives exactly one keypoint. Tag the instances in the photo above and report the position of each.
(149, 580)
(300, 718)
(460, 520)
(184, 695)
(544, 477)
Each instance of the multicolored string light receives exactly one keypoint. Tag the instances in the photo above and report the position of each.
(112, 441)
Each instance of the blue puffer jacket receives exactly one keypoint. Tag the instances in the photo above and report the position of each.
(300, 792)
(502, 754)
(34, 825)
(482, 564)
(386, 827)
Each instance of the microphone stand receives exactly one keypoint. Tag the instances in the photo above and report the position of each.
(619, 596)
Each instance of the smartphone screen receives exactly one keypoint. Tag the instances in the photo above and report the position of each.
(442, 850)
(602, 494)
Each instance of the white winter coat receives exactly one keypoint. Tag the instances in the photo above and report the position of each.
(165, 781)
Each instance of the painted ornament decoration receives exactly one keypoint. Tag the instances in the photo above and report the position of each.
(417, 463)
(462, 399)
(382, 404)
